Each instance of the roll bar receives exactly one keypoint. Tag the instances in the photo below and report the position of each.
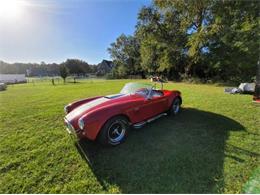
(157, 79)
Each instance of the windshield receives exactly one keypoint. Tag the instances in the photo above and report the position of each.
(136, 88)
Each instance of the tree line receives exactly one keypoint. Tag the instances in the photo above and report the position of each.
(73, 67)
(206, 39)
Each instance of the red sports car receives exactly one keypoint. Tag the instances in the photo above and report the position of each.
(108, 118)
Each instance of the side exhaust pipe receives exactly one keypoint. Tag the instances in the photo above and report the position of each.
(141, 124)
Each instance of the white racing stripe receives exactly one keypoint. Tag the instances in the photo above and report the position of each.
(85, 107)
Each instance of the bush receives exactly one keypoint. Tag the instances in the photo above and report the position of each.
(110, 76)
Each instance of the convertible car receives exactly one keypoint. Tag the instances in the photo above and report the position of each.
(108, 118)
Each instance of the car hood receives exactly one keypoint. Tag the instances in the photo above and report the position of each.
(97, 103)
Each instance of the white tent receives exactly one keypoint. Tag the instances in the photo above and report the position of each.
(12, 78)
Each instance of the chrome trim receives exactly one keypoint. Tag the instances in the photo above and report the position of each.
(156, 117)
(66, 109)
(69, 126)
(141, 124)
(70, 129)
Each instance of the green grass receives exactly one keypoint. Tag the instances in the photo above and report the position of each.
(212, 146)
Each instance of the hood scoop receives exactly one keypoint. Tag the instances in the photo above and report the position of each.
(114, 96)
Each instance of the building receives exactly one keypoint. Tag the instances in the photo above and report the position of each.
(105, 67)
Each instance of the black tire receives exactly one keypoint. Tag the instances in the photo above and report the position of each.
(114, 131)
(175, 107)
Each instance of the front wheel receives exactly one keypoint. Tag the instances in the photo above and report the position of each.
(175, 107)
(114, 131)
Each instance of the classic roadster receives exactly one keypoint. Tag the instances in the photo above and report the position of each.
(108, 118)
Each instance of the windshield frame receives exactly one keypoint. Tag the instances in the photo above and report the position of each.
(132, 88)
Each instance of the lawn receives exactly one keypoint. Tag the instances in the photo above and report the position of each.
(212, 146)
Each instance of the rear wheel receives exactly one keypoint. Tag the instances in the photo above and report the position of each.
(114, 131)
(175, 107)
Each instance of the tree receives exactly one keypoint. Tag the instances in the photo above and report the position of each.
(234, 48)
(33, 69)
(202, 38)
(125, 53)
(77, 67)
(64, 72)
(149, 55)
(162, 41)
(195, 21)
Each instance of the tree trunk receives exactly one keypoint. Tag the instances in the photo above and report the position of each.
(257, 84)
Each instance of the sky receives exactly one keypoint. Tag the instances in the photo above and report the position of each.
(55, 30)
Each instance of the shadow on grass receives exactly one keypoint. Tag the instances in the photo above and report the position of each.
(181, 154)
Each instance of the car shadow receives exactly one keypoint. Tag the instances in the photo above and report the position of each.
(180, 154)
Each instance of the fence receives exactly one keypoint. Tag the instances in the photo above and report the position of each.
(59, 80)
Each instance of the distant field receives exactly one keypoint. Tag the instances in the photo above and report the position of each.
(212, 146)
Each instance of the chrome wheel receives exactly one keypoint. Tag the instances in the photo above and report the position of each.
(176, 106)
(116, 131)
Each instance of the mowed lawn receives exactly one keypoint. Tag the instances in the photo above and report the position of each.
(212, 146)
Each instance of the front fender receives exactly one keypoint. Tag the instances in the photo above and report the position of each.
(95, 119)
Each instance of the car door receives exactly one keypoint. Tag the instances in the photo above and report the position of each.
(153, 106)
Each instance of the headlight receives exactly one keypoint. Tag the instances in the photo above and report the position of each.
(81, 123)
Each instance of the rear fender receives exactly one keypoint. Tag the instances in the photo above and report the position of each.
(176, 94)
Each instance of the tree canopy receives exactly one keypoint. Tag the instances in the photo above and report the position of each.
(201, 38)
(125, 54)
(74, 66)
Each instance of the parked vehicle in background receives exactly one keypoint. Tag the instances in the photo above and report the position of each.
(108, 118)
(3, 86)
